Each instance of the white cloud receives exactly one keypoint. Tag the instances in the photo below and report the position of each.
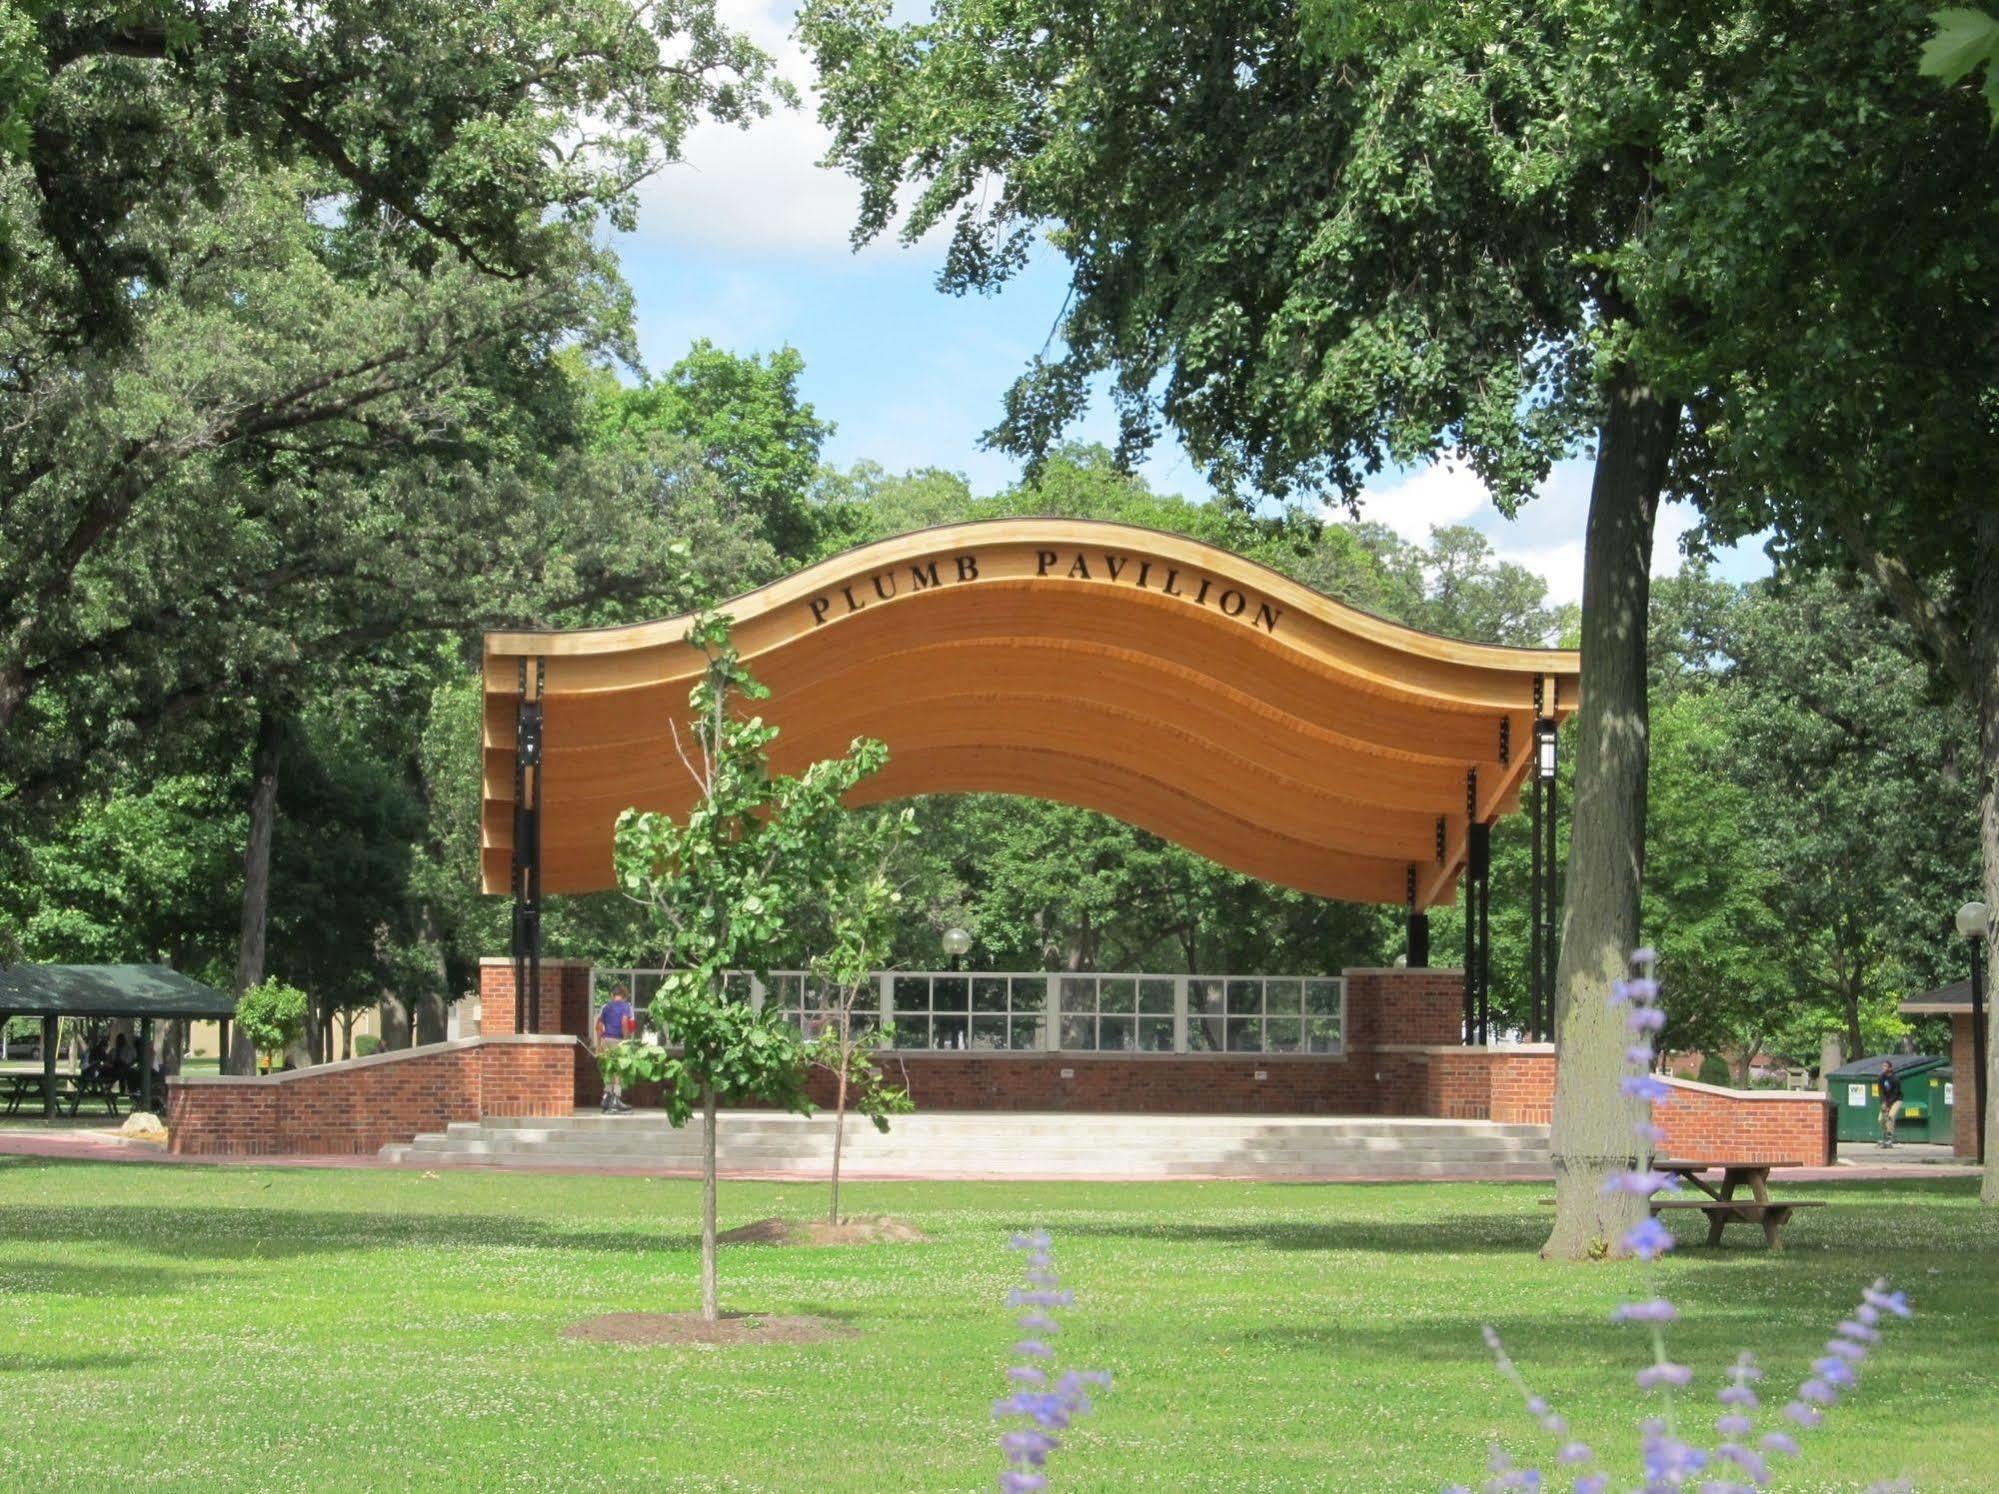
(760, 190)
(1431, 496)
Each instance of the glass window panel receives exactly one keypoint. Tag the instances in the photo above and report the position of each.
(989, 993)
(912, 1032)
(950, 993)
(1204, 1034)
(1322, 1035)
(1245, 998)
(988, 1033)
(1079, 993)
(645, 987)
(948, 1032)
(1280, 997)
(1030, 994)
(1245, 1034)
(735, 984)
(1155, 1034)
(868, 998)
(1079, 1032)
(1322, 998)
(1026, 1033)
(1117, 996)
(912, 993)
(1116, 1034)
(1281, 1035)
(1156, 996)
(1205, 996)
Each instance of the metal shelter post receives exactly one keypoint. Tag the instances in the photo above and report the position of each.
(527, 851)
(51, 1029)
(1417, 947)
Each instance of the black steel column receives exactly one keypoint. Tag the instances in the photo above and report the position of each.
(1551, 883)
(527, 852)
(1416, 947)
(1470, 901)
(146, 1064)
(1534, 985)
(1479, 907)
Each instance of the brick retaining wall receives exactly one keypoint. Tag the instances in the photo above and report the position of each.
(362, 1104)
(1750, 1125)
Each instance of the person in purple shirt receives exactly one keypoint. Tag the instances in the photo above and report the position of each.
(615, 1022)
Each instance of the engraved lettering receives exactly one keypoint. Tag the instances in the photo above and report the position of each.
(1115, 564)
(818, 606)
(1266, 616)
(968, 567)
(923, 577)
(1079, 569)
(884, 595)
(852, 605)
(1171, 577)
(1042, 560)
(1201, 597)
(1144, 570)
(1240, 602)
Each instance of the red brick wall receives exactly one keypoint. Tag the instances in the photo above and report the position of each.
(1964, 1088)
(565, 998)
(1513, 1086)
(1745, 1125)
(1404, 1007)
(363, 1104)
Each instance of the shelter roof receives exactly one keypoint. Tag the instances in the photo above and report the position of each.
(108, 991)
(1955, 997)
(1181, 688)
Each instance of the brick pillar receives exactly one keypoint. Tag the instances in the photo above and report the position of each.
(565, 998)
(1965, 1080)
(1404, 1006)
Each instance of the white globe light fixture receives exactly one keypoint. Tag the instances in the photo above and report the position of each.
(956, 944)
(1974, 920)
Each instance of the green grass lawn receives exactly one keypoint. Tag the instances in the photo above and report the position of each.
(197, 1328)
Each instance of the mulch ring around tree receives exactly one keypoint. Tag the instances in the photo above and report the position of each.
(658, 1328)
(819, 1232)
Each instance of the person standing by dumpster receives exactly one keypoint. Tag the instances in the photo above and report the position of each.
(1891, 1102)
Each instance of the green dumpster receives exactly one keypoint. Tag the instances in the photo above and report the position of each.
(1943, 1104)
(1855, 1089)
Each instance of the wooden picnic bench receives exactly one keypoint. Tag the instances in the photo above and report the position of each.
(1721, 1205)
(18, 1086)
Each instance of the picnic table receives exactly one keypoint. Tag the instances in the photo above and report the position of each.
(1721, 1205)
(17, 1085)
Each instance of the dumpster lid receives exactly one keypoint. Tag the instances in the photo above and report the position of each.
(1905, 1065)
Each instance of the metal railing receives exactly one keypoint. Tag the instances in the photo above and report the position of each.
(1052, 1011)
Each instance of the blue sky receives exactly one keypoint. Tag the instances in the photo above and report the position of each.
(746, 245)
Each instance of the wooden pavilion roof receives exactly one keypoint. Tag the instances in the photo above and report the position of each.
(1179, 687)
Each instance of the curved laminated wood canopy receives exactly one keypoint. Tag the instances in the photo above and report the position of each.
(1178, 687)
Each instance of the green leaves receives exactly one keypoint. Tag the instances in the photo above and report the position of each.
(271, 1015)
(1965, 41)
(722, 885)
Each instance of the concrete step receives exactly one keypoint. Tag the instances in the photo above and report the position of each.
(1032, 1145)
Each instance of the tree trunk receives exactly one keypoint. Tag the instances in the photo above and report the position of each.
(394, 1021)
(839, 1125)
(242, 1055)
(1985, 665)
(430, 1017)
(710, 1308)
(1592, 1133)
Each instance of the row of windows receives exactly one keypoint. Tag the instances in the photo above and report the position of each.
(1039, 1011)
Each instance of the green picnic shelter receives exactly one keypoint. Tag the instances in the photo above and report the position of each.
(140, 993)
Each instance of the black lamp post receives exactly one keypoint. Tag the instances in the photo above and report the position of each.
(1974, 924)
(957, 943)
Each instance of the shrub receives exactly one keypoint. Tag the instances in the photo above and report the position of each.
(365, 1044)
(1715, 1070)
(271, 1015)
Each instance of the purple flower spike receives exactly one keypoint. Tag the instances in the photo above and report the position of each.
(1805, 1416)
(1779, 1442)
(1647, 1087)
(1675, 1376)
(1654, 1310)
(1648, 1239)
(1046, 1407)
(1592, 1483)
(1644, 955)
(1643, 1184)
(1645, 1019)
